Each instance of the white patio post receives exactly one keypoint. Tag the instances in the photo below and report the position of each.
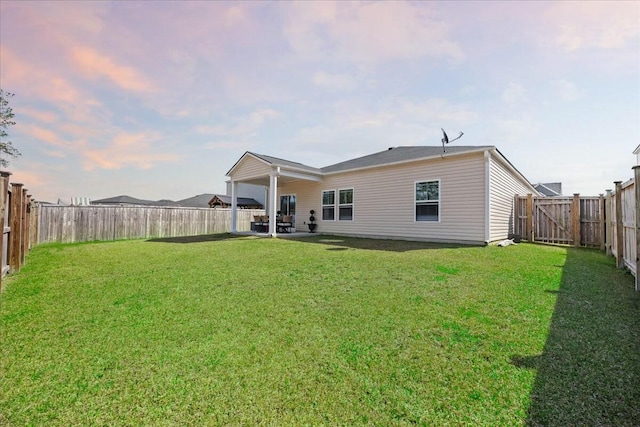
(234, 207)
(273, 198)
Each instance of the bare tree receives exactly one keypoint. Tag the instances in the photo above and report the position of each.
(6, 119)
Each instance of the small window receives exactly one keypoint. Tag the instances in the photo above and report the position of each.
(329, 205)
(428, 201)
(345, 205)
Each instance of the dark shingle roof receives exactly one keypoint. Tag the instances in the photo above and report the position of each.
(282, 162)
(199, 201)
(398, 155)
(122, 200)
(241, 201)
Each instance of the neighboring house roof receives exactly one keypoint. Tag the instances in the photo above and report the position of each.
(550, 189)
(242, 202)
(199, 201)
(122, 200)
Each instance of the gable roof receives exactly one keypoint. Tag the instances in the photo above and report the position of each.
(275, 161)
(400, 155)
(391, 156)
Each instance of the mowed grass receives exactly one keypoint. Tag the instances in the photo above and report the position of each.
(325, 330)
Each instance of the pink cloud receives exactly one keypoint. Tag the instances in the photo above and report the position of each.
(95, 64)
(39, 115)
(29, 79)
(30, 179)
(127, 150)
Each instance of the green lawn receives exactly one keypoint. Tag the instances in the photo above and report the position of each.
(228, 330)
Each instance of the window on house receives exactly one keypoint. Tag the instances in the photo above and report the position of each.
(329, 205)
(428, 201)
(345, 205)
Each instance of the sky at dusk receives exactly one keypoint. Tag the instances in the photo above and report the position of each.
(158, 100)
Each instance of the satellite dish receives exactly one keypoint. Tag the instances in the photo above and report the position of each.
(446, 140)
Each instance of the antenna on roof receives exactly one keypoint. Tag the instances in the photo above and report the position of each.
(446, 140)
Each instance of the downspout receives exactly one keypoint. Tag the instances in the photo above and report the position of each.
(487, 197)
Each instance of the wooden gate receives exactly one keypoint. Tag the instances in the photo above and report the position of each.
(552, 220)
(578, 221)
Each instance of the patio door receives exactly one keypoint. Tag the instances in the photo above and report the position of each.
(288, 205)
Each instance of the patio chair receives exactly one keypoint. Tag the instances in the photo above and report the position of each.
(284, 224)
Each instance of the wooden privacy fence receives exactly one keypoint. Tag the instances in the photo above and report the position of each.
(621, 223)
(576, 220)
(69, 224)
(610, 222)
(19, 222)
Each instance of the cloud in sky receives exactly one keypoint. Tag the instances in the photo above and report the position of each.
(601, 25)
(368, 32)
(93, 65)
(162, 98)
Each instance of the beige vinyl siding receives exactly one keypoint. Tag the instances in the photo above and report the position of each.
(384, 200)
(307, 198)
(250, 167)
(504, 185)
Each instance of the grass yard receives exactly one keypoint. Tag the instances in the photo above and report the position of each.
(226, 330)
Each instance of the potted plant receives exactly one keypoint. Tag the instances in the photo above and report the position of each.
(312, 225)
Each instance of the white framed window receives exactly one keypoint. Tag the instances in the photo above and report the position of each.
(329, 205)
(427, 200)
(345, 204)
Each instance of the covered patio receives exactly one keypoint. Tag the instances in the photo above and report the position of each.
(272, 173)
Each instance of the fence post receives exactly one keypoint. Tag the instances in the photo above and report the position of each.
(602, 222)
(619, 226)
(16, 227)
(35, 222)
(26, 225)
(636, 177)
(608, 222)
(575, 219)
(530, 217)
(23, 226)
(4, 188)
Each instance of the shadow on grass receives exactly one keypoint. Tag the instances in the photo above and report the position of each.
(197, 239)
(589, 371)
(340, 243)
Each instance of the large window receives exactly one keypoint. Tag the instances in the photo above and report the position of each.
(428, 200)
(329, 205)
(345, 205)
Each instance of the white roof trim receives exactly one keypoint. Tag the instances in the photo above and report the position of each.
(290, 173)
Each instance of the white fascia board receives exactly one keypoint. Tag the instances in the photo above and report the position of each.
(298, 175)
